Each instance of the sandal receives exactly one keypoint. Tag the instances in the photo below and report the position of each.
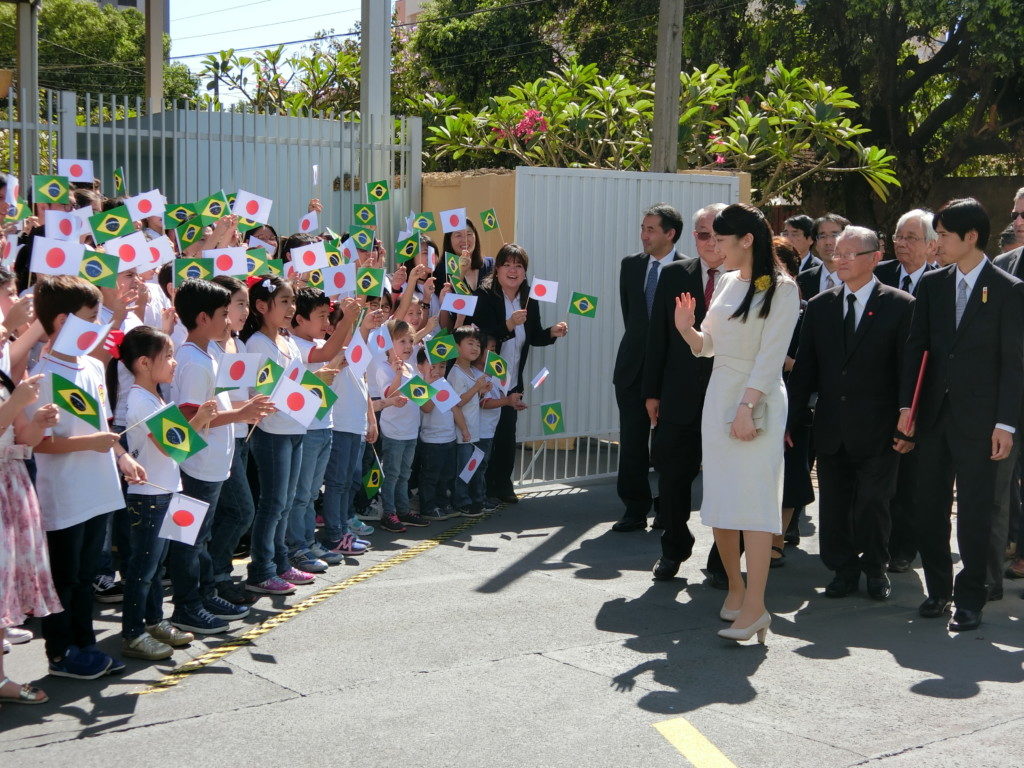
(778, 562)
(26, 694)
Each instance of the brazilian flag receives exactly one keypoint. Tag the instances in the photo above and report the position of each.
(363, 237)
(424, 222)
(417, 390)
(76, 401)
(267, 377)
(275, 266)
(407, 249)
(174, 434)
(190, 233)
(119, 185)
(495, 365)
(551, 419)
(451, 263)
(212, 208)
(459, 285)
(364, 214)
(583, 304)
(316, 279)
(373, 479)
(107, 225)
(369, 281)
(378, 191)
(178, 214)
(327, 396)
(244, 225)
(51, 189)
(192, 269)
(99, 269)
(441, 348)
(489, 219)
(231, 200)
(18, 212)
(332, 247)
(255, 261)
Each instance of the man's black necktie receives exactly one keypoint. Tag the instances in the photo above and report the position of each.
(905, 285)
(850, 321)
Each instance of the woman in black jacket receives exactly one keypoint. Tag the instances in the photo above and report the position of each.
(505, 311)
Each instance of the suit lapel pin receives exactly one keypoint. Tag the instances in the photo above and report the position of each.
(984, 294)
(871, 314)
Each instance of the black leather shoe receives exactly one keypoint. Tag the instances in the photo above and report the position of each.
(658, 524)
(965, 619)
(842, 585)
(717, 580)
(899, 565)
(879, 587)
(994, 593)
(665, 569)
(628, 523)
(509, 498)
(933, 607)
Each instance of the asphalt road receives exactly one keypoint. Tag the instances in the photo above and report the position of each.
(536, 637)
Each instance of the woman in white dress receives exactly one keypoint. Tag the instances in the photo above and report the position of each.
(747, 330)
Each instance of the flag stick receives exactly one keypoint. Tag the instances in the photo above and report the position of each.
(251, 430)
(159, 487)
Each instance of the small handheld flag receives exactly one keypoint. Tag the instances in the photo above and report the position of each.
(147, 204)
(12, 192)
(190, 233)
(308, 223)
(475, 460)
(364, 214)
(544, 290)
(451, 264)
(453, 220)
(349, 251)
(192, 269)
(459, 304)
(540, 378)
(183, 520)
(446, 397)
(177, 214)
(58, 225)
(315, 279)
(379, 341)
(583, 304)
(80, 171)
(340, 280)
(252, 207)
(424, 222)
(362, 237)
(551, 419)
(72, 398)
(373, 479)
(378, 191)
(228, 261)
(107, 225)
(274, 267)
(326, 395)
(213, 208)
(459, 285)
(132, 251)
(161, 251)
(100, 269)
(358, 354)
(237, 370)
(489, 219)
(56, 257)
(369, 281)
(309, 257)
(17, 211)
(417, 390)
(495, 365)
(119, 183)
(267, 377)
(50, 189)
(173, 433)
(441, 348)
(333, 248)
(295, 401)
(407, 249)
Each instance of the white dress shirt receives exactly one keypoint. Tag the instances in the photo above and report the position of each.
(825, 275)
(914, 277)
(668, 258)
(862, 295)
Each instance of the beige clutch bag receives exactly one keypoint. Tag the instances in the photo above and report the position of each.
(760, 414)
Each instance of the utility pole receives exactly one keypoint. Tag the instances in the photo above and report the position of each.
(375, 99)
(665, 136)
(156, 15)
(28, 85)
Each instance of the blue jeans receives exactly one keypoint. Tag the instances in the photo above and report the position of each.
(143, 593)
(316, 450)
(437, 470)
(343, 478)
(235, 511)
(278, 458)
(396, 456)
(190, 567)
(469, 494)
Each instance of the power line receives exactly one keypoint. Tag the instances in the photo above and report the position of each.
(220, 10)
(256, 26)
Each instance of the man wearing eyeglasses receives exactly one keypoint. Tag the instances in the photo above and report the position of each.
(914, 242)
(823, 277)
(1013, 261)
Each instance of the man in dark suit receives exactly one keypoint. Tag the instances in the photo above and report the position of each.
(1013, 261)
(673, 387)
(822, 277)
(799, 230)
(638, 278)
(969, 317)
(850, 353)
(914, 243)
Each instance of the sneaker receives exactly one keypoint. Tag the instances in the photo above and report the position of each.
(7, 646)
(80, 665)
(359, 528)
(414, 519)
(234, 593)
(294, 576)
(374, 512)
(435, 515)
(272, 586)
(17, 635)
(168, 634)
(368, 545)
(320, 552)
(146, 647)
(473, 511)
(199, 622)
(115, 666)
(305, 561)
(490, 505)
(390, 522)
(348, 545)
(220, 608)
(107, 589)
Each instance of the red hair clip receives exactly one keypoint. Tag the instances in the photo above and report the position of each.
(251, 280)
(112, 344)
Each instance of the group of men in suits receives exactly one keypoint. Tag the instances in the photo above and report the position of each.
(939, 328)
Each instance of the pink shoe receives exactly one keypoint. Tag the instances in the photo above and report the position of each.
(272, 586)
(295, 576)
(349, 545)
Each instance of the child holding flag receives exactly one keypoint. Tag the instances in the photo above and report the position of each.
(490, 412)
(470, 384)
(436, 449)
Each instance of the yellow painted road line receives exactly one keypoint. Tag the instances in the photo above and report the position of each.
(692, 744)
(217, 653)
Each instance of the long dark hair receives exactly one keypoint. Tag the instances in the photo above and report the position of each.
(476, 261)
(515, 253)
(740, 219)
(260, 292)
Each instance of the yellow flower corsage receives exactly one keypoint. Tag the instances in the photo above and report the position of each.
(763, 283)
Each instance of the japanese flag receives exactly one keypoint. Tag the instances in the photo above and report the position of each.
(79, 337)
(380, 341)
(308, 223)
(340, 280)
(13, 189)
(83, 214)
(306, 258)
(459, 304)
(183, 520)
(453, 220)
(132, 251)
(349, 251)
(255, 242)
(540, 378)
(62, 226)
(293, 399)
(76, 170)
(358, 355)
(252, 207)
(56, 257)
(431, 258)
(446, 397)
(471, 466)
(161, 251)
(228, 261)
(544, 290)
(147, 204)
(238, 370)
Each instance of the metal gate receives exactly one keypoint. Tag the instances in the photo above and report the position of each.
(577, 224)
(189, 152)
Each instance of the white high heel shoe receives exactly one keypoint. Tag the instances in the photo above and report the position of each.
(728, 614)
(759, 627)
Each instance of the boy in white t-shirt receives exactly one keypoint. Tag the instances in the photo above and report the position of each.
(470, 384)
(436, 449)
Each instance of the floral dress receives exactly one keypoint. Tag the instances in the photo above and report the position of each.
(25, 582)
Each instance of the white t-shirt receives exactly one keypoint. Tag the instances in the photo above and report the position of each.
(152, 315)
(437, 426)
(489, 416)
(375, 371)
(512, 349)
(124, 376)
(75, 487)
(277, 423)
(305, 347)
(239, 428)
(398, 423)
(349, 412)
(195, 382)
(462, 382)
(160, 468)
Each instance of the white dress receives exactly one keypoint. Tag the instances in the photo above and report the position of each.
(743, 480)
